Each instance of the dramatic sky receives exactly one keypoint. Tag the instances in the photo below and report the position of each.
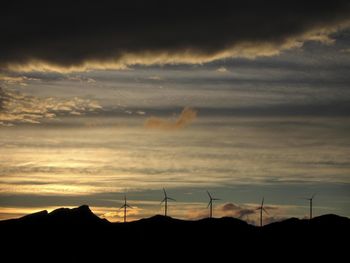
(246, 100)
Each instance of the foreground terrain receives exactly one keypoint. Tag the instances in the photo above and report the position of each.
(72, 235)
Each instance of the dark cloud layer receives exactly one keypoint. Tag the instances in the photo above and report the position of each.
(60, 36)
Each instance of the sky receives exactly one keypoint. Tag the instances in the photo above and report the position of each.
(245, 100)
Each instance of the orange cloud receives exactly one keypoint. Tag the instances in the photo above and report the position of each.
(187, 116)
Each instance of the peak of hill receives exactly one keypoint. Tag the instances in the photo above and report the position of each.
(81, 215)
(78, 215)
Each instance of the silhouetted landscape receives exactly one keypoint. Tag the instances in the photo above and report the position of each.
(79, 229)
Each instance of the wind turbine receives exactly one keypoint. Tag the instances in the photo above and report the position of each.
(165, 200)
(310, 200)
(210, 204)
(261, 208)
(125, 206)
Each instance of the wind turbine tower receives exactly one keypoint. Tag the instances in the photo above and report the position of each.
(311, 200)
(165, 200)
(210, 204)
(125, 206)
(262, 208)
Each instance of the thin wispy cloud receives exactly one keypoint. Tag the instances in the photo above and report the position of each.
(16, 107)
(222, 70)
(247, 212)
(16, 80)
(81, 79)
(345, 50)
(155, 77)
(242, 212)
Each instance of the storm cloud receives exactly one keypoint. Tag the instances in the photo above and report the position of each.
(80, 36)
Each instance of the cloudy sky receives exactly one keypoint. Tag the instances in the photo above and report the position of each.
(247, 101)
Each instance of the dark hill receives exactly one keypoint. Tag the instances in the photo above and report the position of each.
(62, 216)
(80, 235)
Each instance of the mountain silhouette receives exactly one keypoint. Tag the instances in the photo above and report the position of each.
(79, 229)
(63, 216)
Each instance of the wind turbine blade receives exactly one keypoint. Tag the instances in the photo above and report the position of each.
(163, 201)
(209, 204)
(258, 208)
(209, 195)
(215, 199)
(164, 192)
(169, 198)
(129, 206)
(265, 211)
(262, 203)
